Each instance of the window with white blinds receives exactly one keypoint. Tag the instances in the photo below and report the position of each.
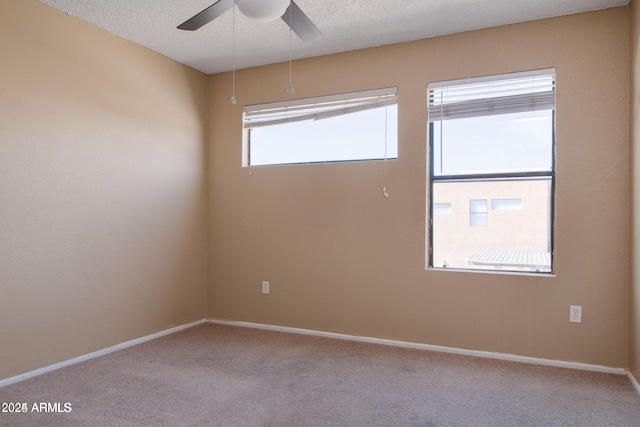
(343, 127)
(492, 138)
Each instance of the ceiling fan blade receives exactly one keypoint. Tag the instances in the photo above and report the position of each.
(207, 15)
(300, 23)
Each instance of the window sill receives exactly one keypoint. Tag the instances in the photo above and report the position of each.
(498, 272)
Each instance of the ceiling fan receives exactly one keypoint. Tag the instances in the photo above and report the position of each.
(261, 10)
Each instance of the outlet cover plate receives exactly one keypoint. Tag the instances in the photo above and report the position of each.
(265, 287)
(575, 313)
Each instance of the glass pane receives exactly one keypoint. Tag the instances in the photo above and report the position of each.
(478, 213)
(355, 136)
(516, 142)
(441, 208)
(506, 204)
(511, 240)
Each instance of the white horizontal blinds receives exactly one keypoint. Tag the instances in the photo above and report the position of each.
(317, 108)
(485, 96)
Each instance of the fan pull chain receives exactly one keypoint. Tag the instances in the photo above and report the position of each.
(233, 50)
(290, 89)
(441, 128)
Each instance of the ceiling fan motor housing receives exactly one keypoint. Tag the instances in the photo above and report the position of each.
(263, 10)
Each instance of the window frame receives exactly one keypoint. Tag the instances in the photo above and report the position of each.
(497, 176)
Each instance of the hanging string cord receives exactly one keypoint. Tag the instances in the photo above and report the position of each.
(290, 89)
(233, 53)
(441, 126)
(385, 193)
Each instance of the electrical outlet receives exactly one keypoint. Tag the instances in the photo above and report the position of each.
(575, 313)
(265, 287)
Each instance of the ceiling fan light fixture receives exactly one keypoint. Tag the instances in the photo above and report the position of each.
(263, 10)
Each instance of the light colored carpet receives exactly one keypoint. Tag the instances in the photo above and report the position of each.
(215, 375)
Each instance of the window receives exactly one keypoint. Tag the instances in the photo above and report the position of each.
(345, 127)
(478, 213)
(506, 204)
(441, 208)
(492, 138)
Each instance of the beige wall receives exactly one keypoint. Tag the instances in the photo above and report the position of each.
(342, 258)
(634, 318)
(101, 189)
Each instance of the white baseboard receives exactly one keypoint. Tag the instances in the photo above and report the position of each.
(634, 382)
(22, 377)
(381, 341)
(429, 347)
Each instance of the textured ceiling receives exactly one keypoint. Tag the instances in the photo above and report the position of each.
(346, 25)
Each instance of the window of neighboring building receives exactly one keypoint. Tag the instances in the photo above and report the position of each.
(492, 138)
(345, 127)
(506, 204)
(441, 208)
(478, 213)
